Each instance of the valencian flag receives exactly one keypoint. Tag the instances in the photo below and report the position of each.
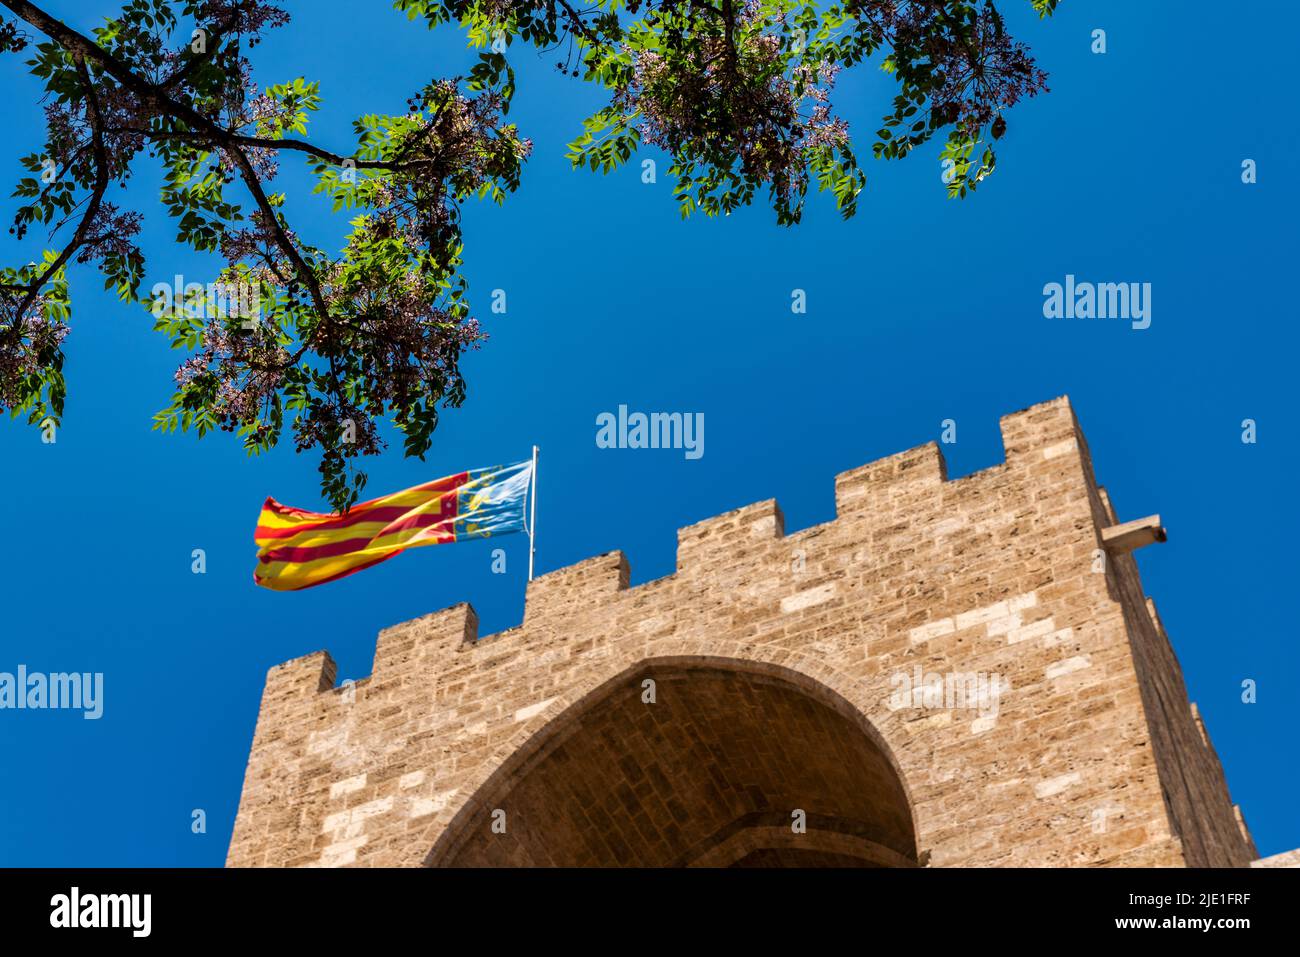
(298, 549)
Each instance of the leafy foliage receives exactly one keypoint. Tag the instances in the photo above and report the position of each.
(736, 92)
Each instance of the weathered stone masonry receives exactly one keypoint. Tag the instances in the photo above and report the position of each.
(772, 660)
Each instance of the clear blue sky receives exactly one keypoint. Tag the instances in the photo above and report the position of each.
(920, 309)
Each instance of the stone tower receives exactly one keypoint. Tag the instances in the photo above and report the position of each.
(949, 673)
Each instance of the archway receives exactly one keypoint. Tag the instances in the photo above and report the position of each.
(732, 764)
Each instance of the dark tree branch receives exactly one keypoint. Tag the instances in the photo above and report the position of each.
(214, 38)
(83, 48)
(96, 198)
(229, 138)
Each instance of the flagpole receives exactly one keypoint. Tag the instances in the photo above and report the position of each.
(532, 516)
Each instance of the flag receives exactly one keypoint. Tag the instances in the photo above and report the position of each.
(298, 549)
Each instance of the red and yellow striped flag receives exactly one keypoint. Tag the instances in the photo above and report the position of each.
(299, 549)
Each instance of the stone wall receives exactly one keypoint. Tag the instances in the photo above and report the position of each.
(774, 665)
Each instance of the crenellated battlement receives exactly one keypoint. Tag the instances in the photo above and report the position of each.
(883, 491)
(996, 572)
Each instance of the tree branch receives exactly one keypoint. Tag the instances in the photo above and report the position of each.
(215, 36)
(96, 198)
(83, 48)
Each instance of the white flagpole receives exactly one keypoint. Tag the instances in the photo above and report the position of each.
(532, 516)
